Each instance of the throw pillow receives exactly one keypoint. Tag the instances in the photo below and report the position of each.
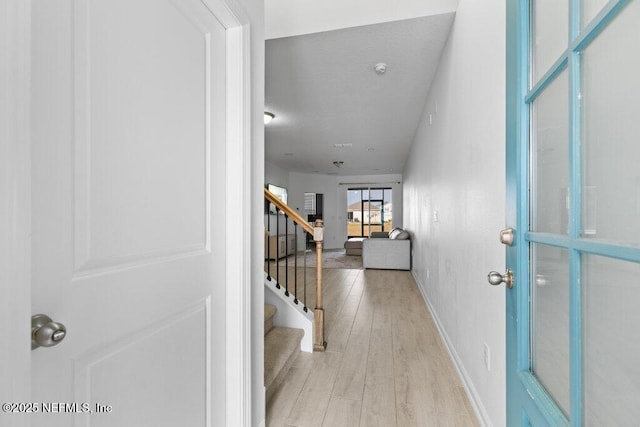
(403, 235)
(400, 235)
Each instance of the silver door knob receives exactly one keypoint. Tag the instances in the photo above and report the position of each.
(45, 332)
(506, 236)
(496, 278)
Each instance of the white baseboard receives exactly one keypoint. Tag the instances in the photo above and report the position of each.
(472, 393)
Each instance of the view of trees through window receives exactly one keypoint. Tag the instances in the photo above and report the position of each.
(368, 210)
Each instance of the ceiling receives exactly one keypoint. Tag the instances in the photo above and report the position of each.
(284, 18)
(323, 90)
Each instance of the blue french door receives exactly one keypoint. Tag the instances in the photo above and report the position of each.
(573, 197)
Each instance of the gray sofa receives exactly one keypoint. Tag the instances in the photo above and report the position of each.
(390, 251)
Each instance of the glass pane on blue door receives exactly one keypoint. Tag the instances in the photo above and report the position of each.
(610, 129)
(550, 33)
(589, 9)
(611, 296)
(550, 158)
(550, 321)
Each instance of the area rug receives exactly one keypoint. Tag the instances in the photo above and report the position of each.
(333, 258)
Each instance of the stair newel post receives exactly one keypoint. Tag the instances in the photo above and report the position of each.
(319, 343)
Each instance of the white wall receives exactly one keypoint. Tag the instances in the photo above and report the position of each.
(285, 18)
(275, 175)
(456, 167)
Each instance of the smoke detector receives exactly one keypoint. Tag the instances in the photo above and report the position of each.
(380, 68)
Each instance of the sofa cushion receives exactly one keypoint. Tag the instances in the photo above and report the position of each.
(379, 235)
(354, 243)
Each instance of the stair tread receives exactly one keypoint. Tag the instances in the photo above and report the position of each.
(280, 345)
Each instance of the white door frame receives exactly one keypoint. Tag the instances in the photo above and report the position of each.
(15, 212)
(15, 205)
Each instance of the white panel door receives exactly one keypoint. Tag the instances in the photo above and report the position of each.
(128, 116)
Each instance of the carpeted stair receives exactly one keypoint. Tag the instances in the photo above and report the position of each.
(281, 348)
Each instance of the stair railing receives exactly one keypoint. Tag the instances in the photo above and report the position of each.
(316, 230)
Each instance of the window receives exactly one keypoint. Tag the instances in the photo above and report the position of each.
(369, 210)
(310, 203)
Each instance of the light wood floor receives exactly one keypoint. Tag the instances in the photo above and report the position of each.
(385, 363)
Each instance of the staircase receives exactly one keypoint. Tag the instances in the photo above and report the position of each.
(275, 267)
(299, 327)
(281, 348)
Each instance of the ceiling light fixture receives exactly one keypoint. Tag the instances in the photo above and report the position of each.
(380, 68)
(268, 117)
(338, 163)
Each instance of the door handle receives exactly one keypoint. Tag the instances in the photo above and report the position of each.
(496, 278)
(45, 332)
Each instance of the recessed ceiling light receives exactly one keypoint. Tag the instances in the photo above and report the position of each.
(370, 149)
(268, 117)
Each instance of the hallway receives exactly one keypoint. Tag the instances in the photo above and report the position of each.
(385, 363)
